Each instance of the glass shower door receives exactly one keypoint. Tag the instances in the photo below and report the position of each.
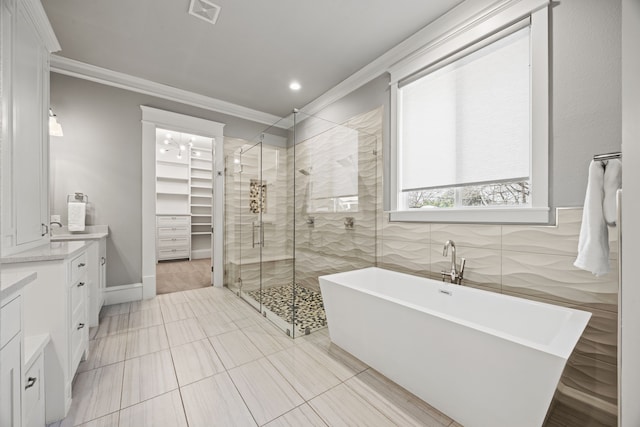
(251, 225)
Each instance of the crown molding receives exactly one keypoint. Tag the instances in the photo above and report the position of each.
(35, 12)
(466, 14)
(81, 70)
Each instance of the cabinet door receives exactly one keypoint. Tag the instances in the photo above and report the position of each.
(10, 383)
(30, 136)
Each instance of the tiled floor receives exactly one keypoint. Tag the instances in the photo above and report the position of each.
(182, 275)
(205, 358)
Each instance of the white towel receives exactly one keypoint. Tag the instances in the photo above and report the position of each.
(76, 213)
(593, 244)
(612, 182)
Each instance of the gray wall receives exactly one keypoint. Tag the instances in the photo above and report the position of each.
(629, 343)
(100, 155)
(585, 94)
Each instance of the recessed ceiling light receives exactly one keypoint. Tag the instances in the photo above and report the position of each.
(295, 86)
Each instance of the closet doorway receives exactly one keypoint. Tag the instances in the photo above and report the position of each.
(184, 211)
(182, 202)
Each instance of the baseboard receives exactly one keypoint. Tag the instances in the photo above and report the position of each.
(123, 293)
(200, 253)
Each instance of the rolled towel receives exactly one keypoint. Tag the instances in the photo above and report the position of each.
(612, 182)
(76, 213)
(593, 244)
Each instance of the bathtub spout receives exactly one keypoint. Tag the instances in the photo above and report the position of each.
(454, 274)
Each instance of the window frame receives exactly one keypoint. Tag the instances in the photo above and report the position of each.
(449, 45)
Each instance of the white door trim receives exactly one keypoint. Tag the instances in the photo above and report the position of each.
(152, 118)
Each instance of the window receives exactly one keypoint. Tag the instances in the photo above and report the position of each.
(472, 130)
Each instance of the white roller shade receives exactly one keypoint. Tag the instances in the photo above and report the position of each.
(468, 122)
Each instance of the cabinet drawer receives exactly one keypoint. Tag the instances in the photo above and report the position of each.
(10, 321)
(78, 267)
(79, 338)
(34, 393)
(173, 221)
(173, 231)
(78, 293)
(173, 253)
(173, 242)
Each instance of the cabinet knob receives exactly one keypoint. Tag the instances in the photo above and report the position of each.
(30, 382)
(81, 284)
(80, 326)
(82, 264)
(103, 260)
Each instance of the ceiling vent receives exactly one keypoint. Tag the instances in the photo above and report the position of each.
(204, 10)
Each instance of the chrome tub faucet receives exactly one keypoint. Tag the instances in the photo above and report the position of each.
(455, 274)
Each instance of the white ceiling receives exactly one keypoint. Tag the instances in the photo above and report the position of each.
(254, 51)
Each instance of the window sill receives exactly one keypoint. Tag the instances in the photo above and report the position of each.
(474, 215)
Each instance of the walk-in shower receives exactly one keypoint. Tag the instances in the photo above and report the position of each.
(288, 193)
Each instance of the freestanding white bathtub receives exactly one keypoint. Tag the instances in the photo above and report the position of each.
(483, 358)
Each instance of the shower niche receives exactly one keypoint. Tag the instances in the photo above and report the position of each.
(288, 194)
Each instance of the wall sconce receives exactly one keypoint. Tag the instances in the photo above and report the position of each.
(55, 129)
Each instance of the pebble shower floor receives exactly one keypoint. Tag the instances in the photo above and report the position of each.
(310, 310)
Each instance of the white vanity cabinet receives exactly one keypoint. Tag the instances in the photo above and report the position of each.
(96, 240)
(56, 304)
(27, 40)
(11, 363)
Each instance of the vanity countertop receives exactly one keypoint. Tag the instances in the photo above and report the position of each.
(91, 232)
(13, 282)
(53, 251)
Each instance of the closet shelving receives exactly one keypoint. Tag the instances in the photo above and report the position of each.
(201, 200)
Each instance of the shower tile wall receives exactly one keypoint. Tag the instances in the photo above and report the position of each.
(328, 247)
(533, 262)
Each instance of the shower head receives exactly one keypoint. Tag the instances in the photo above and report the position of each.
(305, 172)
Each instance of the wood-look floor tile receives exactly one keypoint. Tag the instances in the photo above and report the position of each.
(216, 323)
(215, 401)
(145, 341)
(175, 312)
(96, 393)
(115, 309)
(145, 318)
(110, 420)
(112, 325)
(195, 361)
(203, 306)
(266, 392)
(235, 349)
(104, 351)
(172, 298)
(147, 376)
(268, 338)
(396, 403)
(184, 331)
(253, 320)
(242, 310)
(163, 411)
(303, 415)
(308, 376)
(341, 406)
(338, 361)
(145, 304)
